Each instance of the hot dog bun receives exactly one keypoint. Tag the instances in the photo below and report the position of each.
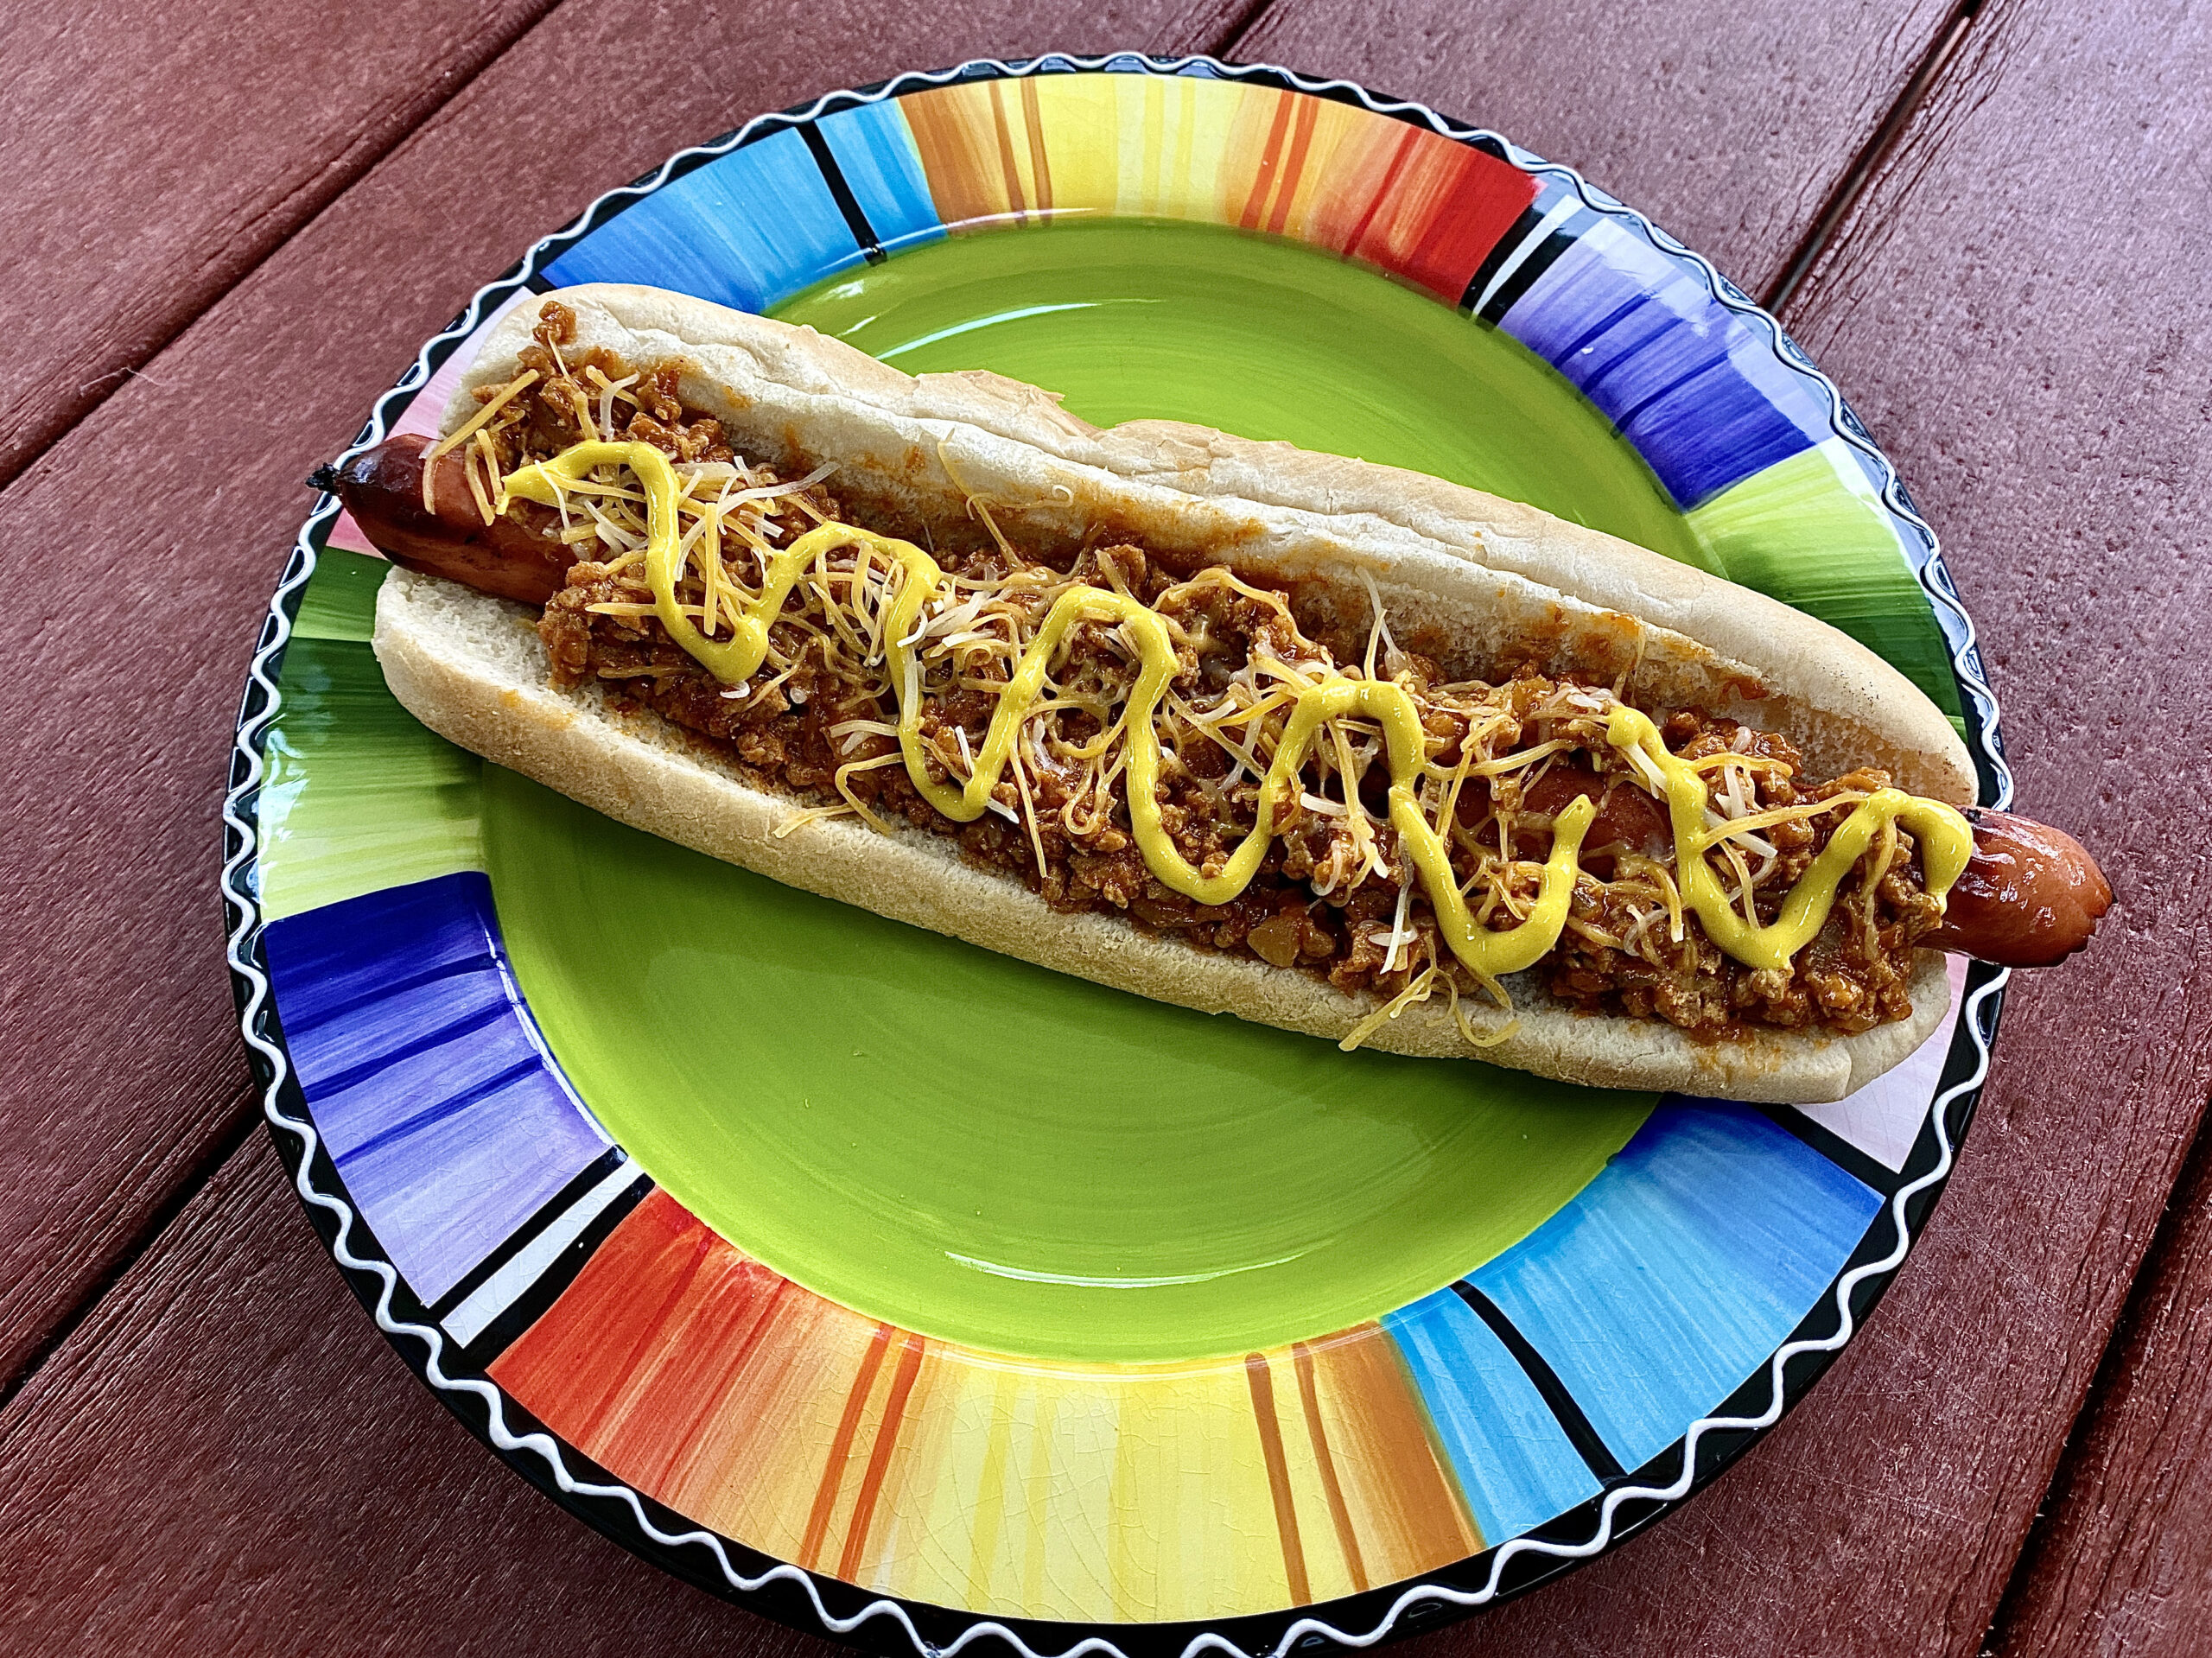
(1465, 577)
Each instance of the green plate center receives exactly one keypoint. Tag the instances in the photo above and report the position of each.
(969, 1146)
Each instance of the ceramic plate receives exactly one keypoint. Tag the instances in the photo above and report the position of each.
(912, 1294)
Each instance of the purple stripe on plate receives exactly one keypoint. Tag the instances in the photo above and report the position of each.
(1703, 398)
(449, 1121)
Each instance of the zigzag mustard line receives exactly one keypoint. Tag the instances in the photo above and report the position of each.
(1946, 838)
(737, 658)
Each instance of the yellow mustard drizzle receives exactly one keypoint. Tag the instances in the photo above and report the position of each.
(1946, 841)
(732, 661)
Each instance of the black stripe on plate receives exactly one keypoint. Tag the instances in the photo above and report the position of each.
(530, 1306)
(841, 192)
(1579, 1434)
(547, 1212)
(1835, 1147)
(1535, 265)
(1523, 228)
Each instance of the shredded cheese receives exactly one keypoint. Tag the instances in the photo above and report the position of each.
(712, 554)
(482, 417)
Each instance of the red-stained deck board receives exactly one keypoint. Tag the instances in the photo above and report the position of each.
(2101, 299)
(137, 557)
(152, 155)
(2018, 311)
(2120, 1560)
(1730, 126)
(195, 1470)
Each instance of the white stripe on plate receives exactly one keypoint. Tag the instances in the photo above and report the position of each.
(1550, 222)
(503, 1287)
(1883, 1119)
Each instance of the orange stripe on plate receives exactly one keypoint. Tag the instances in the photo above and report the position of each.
(1412, 1516)
(1041, 166)
(951, 149)
(1006, 156)
(1457, 203)
(560, 1367)
(1332, 1487)
(1301, 141)
(1264, 176)
(1263, 1412)
(1398, 158)
(669, 1404)
(833, 1468)
(887, 1438)
(622, 1376)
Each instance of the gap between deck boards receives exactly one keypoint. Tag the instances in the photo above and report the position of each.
(335, 186)
(1876, 148)
(1997, 1637)
(244, 1101)
(2134, 1312)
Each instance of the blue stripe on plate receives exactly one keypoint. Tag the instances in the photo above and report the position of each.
(745, 230)
(1675, 1273)
(1702, 397)
(876, 154)
(1515, 1466)
(436, 1098)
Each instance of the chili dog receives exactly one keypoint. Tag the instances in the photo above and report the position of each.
(1322, 743)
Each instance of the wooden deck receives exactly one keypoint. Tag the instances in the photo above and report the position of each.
(230, 226)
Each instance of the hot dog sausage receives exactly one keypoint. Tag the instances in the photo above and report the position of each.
(1626, 814)
(519, 555)
(2030, 896)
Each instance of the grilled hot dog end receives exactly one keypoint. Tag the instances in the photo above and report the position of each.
(2030, 898)
(519, 555)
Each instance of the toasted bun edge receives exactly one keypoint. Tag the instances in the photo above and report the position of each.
(1692, 637)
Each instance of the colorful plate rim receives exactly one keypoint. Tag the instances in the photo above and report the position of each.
(827, 1605)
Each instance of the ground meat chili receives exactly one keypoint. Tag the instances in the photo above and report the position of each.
(1332, 896)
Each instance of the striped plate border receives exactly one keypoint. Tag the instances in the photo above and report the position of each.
(610, 1187)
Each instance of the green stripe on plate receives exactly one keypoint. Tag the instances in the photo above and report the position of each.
(1811, 531)
(340, 602)
(359, 794)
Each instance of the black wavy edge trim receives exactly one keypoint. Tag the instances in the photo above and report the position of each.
(877, 1622)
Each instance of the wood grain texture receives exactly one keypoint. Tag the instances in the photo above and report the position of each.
(166, 516)
(152, 155)
(2120, 1560)
(2052, 410)
(178, 1482)
(1881, 1518)
(1729, 125)
(2115, 333)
